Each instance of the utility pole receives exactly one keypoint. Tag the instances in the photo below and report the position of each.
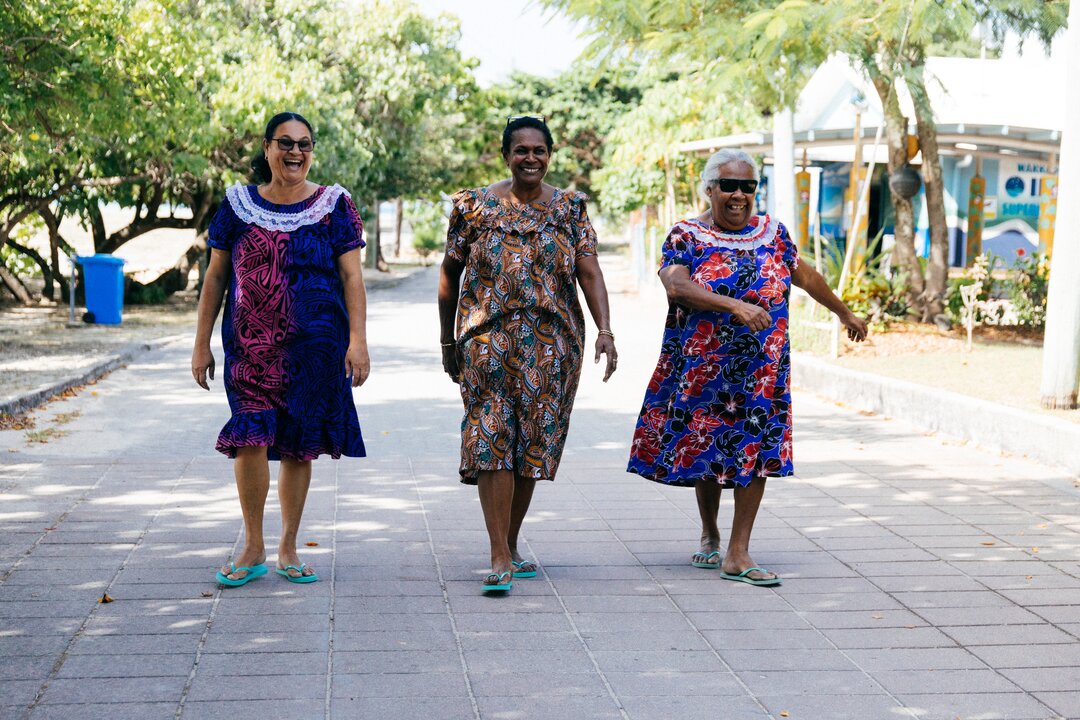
(1061, 343)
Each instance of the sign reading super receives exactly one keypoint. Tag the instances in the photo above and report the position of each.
(1019, 186)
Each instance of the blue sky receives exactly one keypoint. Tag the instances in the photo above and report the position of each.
(507, 35)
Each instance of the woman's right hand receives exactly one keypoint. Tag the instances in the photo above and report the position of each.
(752, 316)
(202, 364)
(450, 362)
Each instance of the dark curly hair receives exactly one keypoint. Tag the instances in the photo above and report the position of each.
(258, 163)
(526, 122)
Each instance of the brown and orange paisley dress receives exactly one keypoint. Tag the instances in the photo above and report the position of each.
(520, 329)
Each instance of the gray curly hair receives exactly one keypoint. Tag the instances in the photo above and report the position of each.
(717, 160)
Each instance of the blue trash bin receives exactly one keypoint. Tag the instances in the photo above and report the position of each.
(104, 278)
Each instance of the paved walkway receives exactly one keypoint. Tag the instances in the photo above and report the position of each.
(923, 579)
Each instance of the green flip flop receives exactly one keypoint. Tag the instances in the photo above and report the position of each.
(502, 582)
(254, 571)
(302, 578)
(706, 564)
(744, 577)
(519, 573)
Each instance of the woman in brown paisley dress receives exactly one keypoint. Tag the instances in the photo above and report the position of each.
(513, 334)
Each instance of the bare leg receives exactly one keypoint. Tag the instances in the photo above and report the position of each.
(496, 489)
(708, 503)
(294, 479)
(747, 502)
(523, 492)
(252, 483)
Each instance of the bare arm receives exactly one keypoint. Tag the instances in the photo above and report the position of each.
(449, 289)
(681, 290)
(591, 279)
(213, 290)
(810, 280)
(357, 362)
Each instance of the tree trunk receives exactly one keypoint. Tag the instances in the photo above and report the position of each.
(783, 189)
(15, 286)
(937, 274)
(399, 208)
(904, 256)
(373, 260)
(1061, 342)
(175, 278)
(97, 227)
(55, 241)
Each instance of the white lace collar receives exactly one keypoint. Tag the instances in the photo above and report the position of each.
(763, 231)
(249, 211)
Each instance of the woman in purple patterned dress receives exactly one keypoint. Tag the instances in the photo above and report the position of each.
(288, 254)
(717, 412)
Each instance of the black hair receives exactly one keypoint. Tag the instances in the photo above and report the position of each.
(259, 163)
(526, 122)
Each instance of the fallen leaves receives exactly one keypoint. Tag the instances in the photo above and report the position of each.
(312, 543)
(785, 713)
(987, 542)
(207, 593)
(105, 598)
(16, 422)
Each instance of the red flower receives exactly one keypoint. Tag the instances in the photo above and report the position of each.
(703, 422)
(765, 381)
(699, 377)
(662, 372)
(646, 445)
(715, 268)
(1020, 252)
(703, 340)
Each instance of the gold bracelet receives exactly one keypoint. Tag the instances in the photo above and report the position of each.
(606, 332)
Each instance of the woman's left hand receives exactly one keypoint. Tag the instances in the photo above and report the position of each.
(856, 326)
(357, 364)
(605, 344)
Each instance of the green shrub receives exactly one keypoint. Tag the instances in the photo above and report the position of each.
(1027, 287)
(429, 224)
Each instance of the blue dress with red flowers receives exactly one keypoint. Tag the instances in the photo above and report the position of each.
(718, 406)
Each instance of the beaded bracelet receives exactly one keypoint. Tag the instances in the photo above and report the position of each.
(606, 332)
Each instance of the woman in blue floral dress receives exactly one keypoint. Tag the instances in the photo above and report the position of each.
(717, 411)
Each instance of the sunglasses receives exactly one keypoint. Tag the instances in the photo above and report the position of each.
(729, 185)
(512, 118)
(287, 144)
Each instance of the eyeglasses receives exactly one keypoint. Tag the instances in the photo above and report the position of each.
(729, 185)
(287, 144)
(512, 118)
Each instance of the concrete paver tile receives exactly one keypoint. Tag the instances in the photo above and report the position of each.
(720, 618)
(93, 690)
(396, 661)
(121, 666)
(658, 661)
(553, 708)
(1008, 635)
(32, 645)
(538, 685)
(682, 640)
(1060, 679)
(871, 601)
(108, 711)
(764, 639)
(904, 637)
(517, 641)
(618, 604)
(789, 659)
(967, 680)
(348, 641)
(646, 622)
(979, 616)
(729, 707)
(1028, 656)
(674, 682)
(809, 682)
(398, 685)
(1066, 703)
(482, 604)
(875, 660)
(831, 619)
(991, 706)
(262, 663)
(221, 641)
(835, 707)
(490, 662)
(389, 622)
(436, 708)
(208, 687)
(512, 622)
(20, 692)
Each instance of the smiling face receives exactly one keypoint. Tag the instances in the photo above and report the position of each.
(528, 157)
(290, 166)
(732, 210)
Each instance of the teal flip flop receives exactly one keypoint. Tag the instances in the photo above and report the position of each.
(503, 582)
(519, 573)
(301, 579)
(744, 577)
(706, 564)
(254, 571)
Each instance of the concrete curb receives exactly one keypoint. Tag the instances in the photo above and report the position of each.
(38, 396)
(1046, 439)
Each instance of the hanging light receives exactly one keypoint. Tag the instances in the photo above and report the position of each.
(905, 182)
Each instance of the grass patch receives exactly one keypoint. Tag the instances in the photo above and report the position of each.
(43, 436)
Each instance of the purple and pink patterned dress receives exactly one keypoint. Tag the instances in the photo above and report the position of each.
(718, 406)
(286, 327)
